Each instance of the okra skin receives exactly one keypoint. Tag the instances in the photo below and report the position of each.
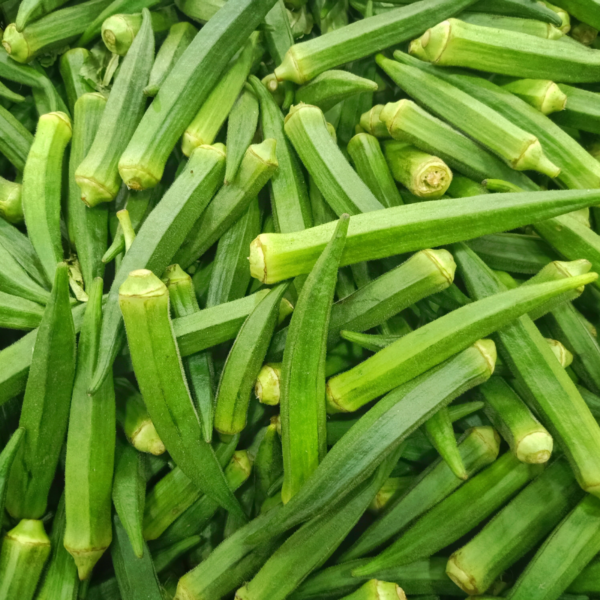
(45, 405)
(90, 450)
(376, 589)
(526, 26)
(564, 554)
(11, 207)
(75, 85)
(42, 181)
(185, 89)
(581, 111)
(25, 551)
(306, 60)
(516, 529)
(19, 313)
(441, 435)
(32, 10)
(144, 302)
(98, 175)
(15, 140)
(7, 457)
(241, 129)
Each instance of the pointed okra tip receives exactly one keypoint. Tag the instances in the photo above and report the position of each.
(143, 283)
(289, 69)
(86, 561)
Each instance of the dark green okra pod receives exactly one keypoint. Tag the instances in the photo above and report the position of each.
(76, 86)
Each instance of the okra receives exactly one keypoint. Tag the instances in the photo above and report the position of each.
(526, 26)
(392, 489)
(267, 387)
(11, 207)
(552, 570)
(545, 95)
(275, 257)
(97, 175)
(515, 530)
(373, 342)
(306, 60)
(289, 194)
(7, 457)
(230, 203)
(463, 187)
(76, 86)
(519, 8)
(42, 181)
(371, 122)
(45, 406)
(25, 551)
(478, 448)
(441, 435)
(377, 590)
(185, 89)
(15, 140)
(158, 239)
(587, 581)
(581, 110)
(268, 465)
(51, 32)
(520, 149)
(584, 10)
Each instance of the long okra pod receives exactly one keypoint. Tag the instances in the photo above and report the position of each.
(42, 180)
(76, 86)
(144, 301)
(441, 435)
(303, 411)
(97, 175)
(15, 140)
(185, 89)
(45, 405)
(519, 8)
(268, 465)
(527, 26)
(377, 590)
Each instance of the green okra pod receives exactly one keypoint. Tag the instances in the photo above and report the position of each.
(515, 530)
(230, 203)
(244, 362)
(373, 342)
(76, 86)
(15, 139)
(88, 229)
(519, 8)
(519, 148)
(306, 60)
(25, 551)
(463, 187)
(587, 581)
(456, 515)
(179, 38)
(98, 175)
(201, 11)
(275, 257)
(11, 207)
(42, 181)
(185, 89)
(527, 26)
(90, 450)
(303, 410)
(371, 122)
(584, 10)
(392, 488)
(45, 405)
(7, 457)
(144, 302)
(341, 187)
(268, 465)
(372, 168)
(289, 194)
(158, 239)
(267, 387)
(545, 95)
(581, 110)
(377, 590)
(441, 435)
(51, 32)
(33, 10)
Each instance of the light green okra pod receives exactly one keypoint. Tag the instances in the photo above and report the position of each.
(76, 86)
(98, 174)
(542, 94)
(581, 110)
(527, 26)
(32, 10)
(15, 139)
(377, 590)
(371, 122)
(11, 207)
(42, 185)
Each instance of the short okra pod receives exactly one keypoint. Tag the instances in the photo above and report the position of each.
(11, 206)
(15, 139)
(542, 94)
(527, 26)
(98, 175)
(441, 435)
(76, 86)
(42, 184)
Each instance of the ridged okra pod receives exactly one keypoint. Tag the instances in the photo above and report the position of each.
(431, 344)
(581, 110)
(98, 175)
(303, 410)
(90, 450)
(51, 32)
(185, 89)
(88, 228)
(520, 8)
(289, 194)
(587, 581)
(33, 10)
(158, 239)
(584, 10)
(258, 166)
(42, 184)
(341, 187)
(244, 362)
(527, 437)
(478, 448)
(424, 175)
(457, 514)
(7, 457)
(371, 122)
(516, 529)
(460, 44)
(517, 24)
(205, 126)
(440, 433)
(306, 60)
(25, 551)
(542, 94)
(11, 206)
(520, 149)
(382, 233)
(15, 139)
(76, 86)
(144, 301)
(46, 403)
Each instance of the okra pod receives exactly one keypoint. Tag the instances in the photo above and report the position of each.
(377, 590)
(520, 149)
(42, 181)
(15, 140)
(76, 86)
(7, 457)
(371, 122)
(97, 175)
(584, 10)
(519, 8)
(267, 387)
(201, 11)
(545, 95)
(463, 187)
(11, 207)
(373, 342)
(527, 26)
(441, 435)
(587, 581)
(268, 465)
(46, 403)
(581, 110)
(32, 10)
(185, 89)
(16, 281)
(515, 530)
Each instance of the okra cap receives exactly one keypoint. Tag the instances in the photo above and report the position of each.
(144, 284)
(146, 439)
(535, 448)
(29, 532)
(16, 45)
(267, 384)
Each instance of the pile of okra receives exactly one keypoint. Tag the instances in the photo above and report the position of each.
(299, 299)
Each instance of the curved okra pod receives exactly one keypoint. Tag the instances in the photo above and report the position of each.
(98, 175)
(144, 302)
(520, 149)
(441, 435)
(76, 86)
(15, 140)
(542, 94)
(185, 89)
(42, 184)
(45, 405)
(520, 25)
(244, 362)
(11, 207)
(516, 529)
(303, 411)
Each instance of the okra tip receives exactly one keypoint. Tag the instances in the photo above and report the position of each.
(143, 283)
(60, 120)
(489, 437)
(85, 561)
(433, 42)
(29, 532)
(92, 191)
(16, 45)
(266, 151)
(535, 448)
(137, 178)
(174, 274)
(146, 439)
(258, 263)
